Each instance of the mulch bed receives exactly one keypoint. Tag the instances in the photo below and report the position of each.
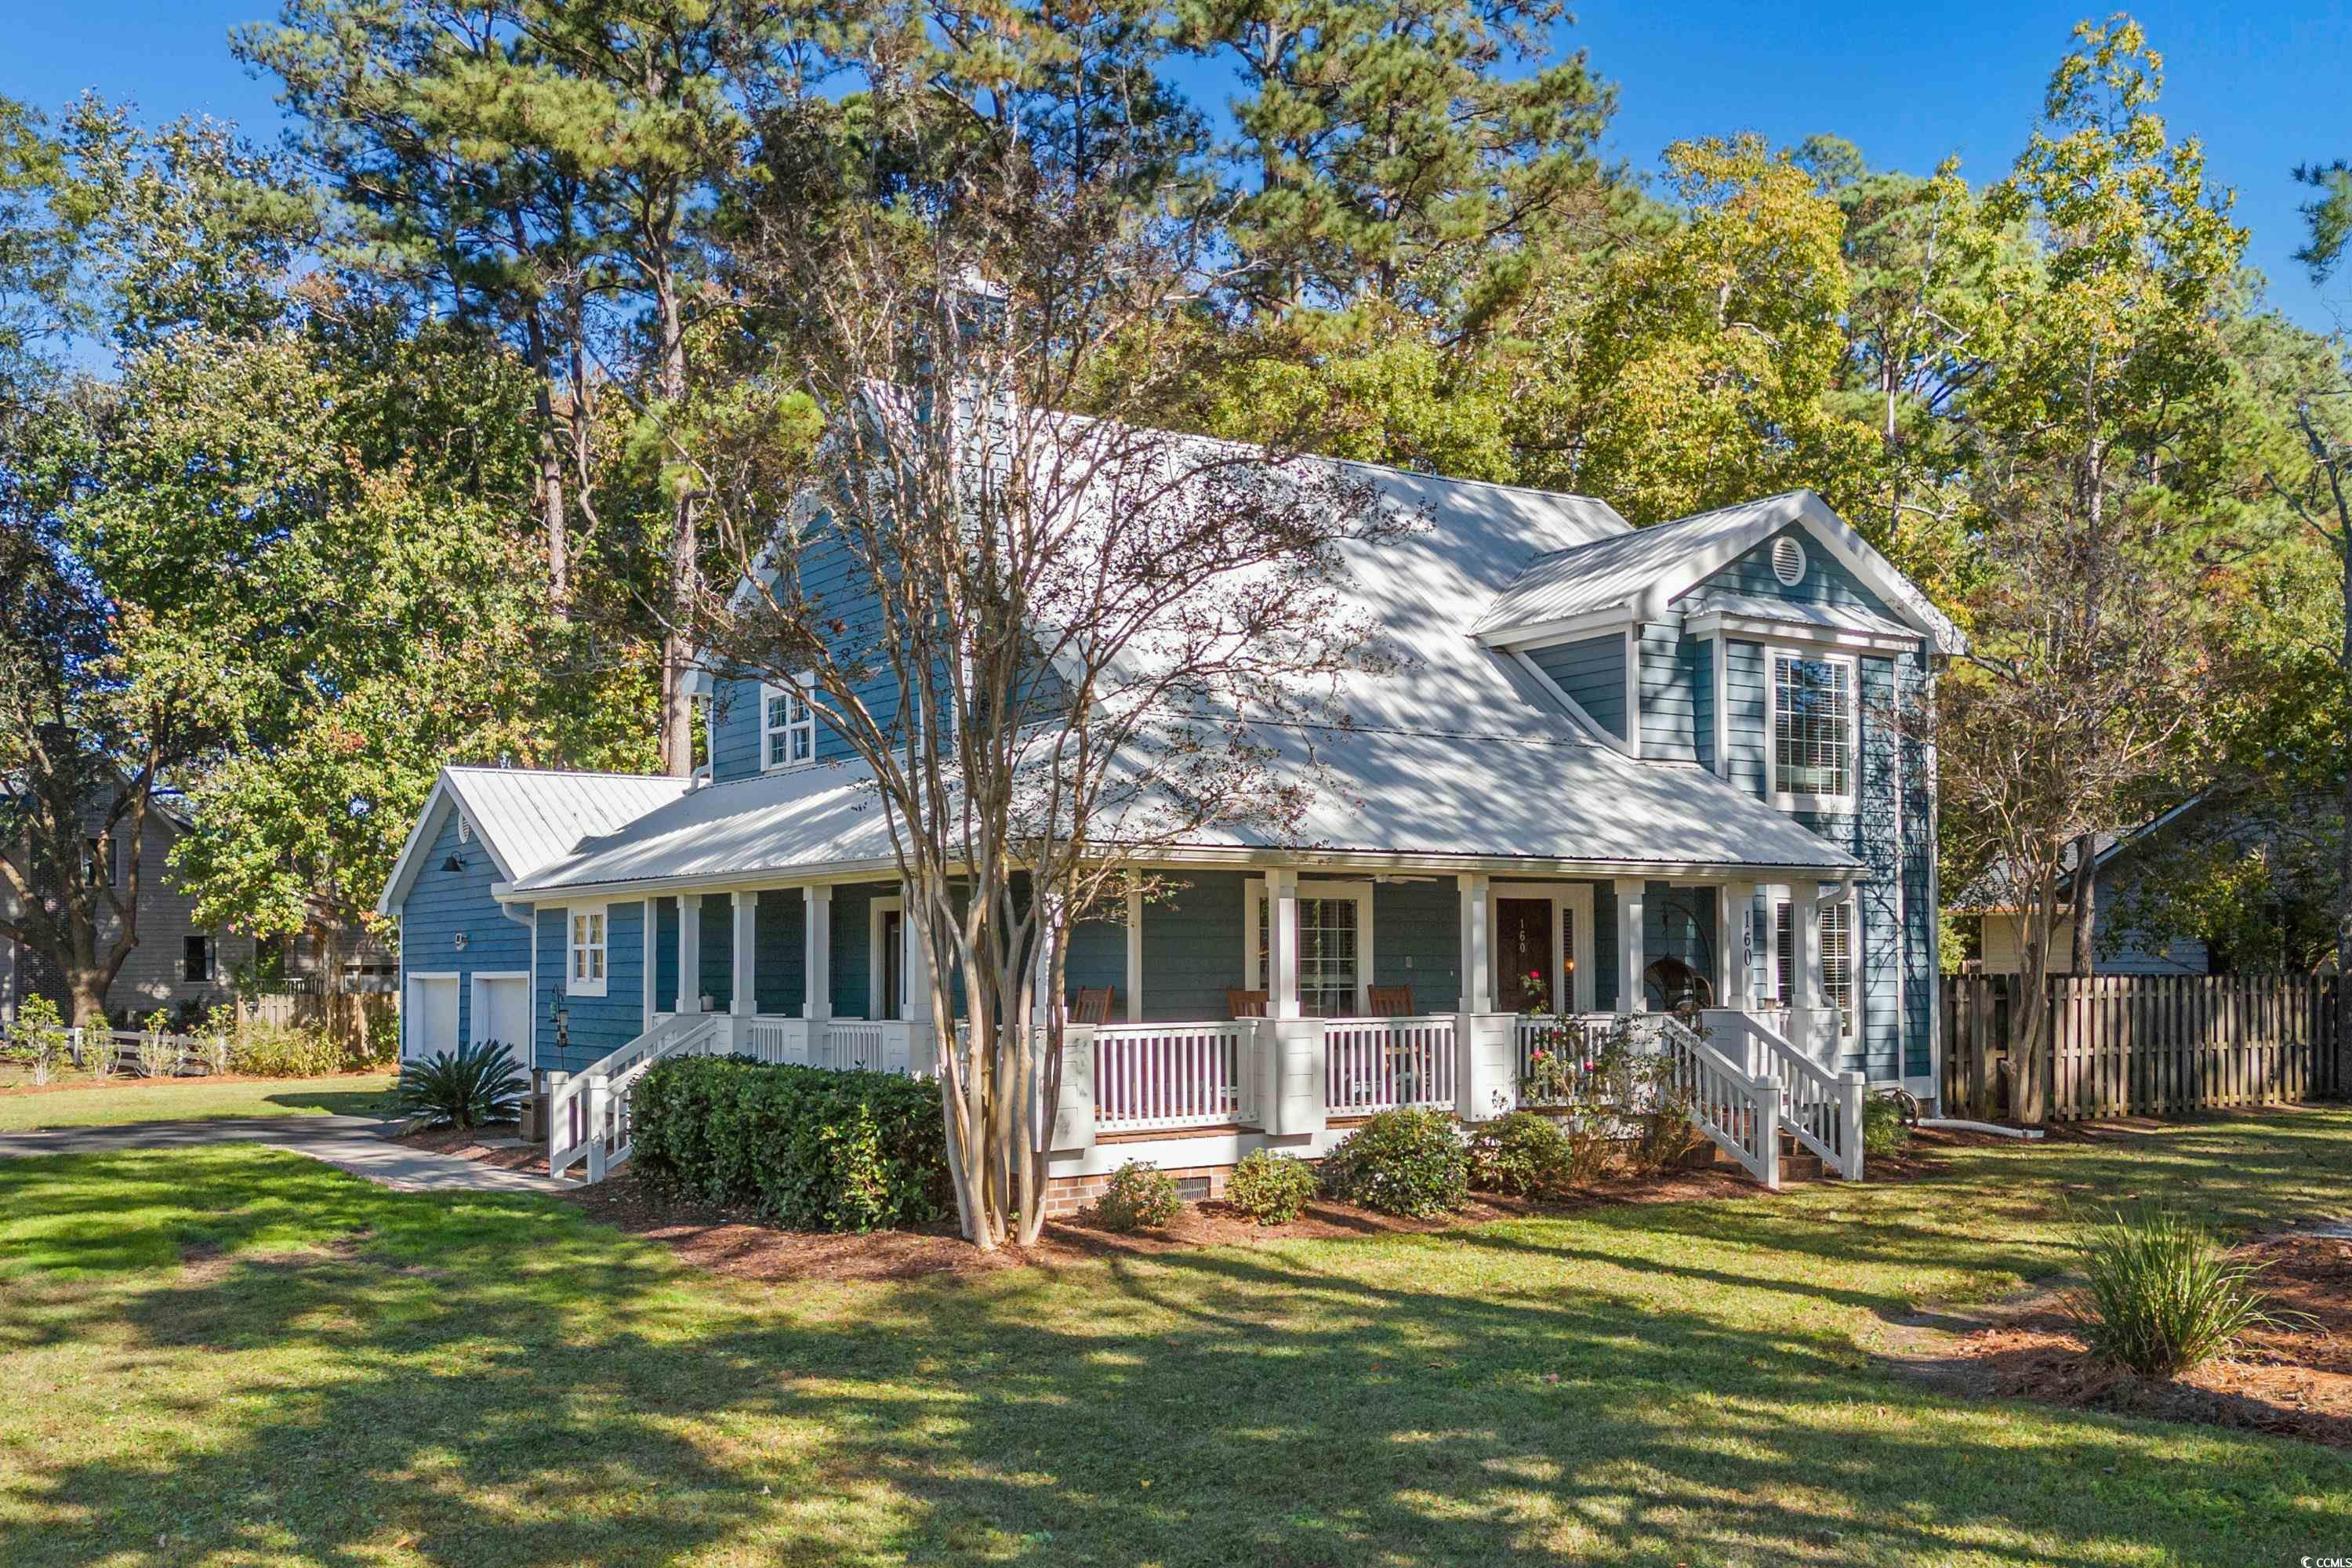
(2294, 1380)
(740, 1246)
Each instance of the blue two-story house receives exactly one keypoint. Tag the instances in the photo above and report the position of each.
(1615, 771)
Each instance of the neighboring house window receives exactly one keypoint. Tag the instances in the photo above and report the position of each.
(586, 975)
(1838, 971)
(197, 960)
(1812, 729)
(103, 863)
(787, 725)
(1328, 956)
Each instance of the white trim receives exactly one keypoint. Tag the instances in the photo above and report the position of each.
(1764, 628)
(1788, 800)
(875, 909)
(594, 957)
(1572, 899)
(1254, 893)
(805, 725)
(1719, 660)
(1564, 628)
(1576, 711)
(652, 922)
(1135, 957)
(1632, 689)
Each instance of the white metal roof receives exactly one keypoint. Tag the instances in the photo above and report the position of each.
(527, 818)
(1638, 574)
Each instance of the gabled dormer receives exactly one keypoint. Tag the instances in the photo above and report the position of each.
(1734, 641)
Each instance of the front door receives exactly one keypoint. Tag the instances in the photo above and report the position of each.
(894, 961)
(1524, 981)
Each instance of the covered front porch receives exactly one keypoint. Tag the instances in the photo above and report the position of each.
(1248, 1007)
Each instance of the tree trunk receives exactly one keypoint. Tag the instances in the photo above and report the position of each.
(86, 997)
(2083, 903)
(2029, 1018)
(2343, 803)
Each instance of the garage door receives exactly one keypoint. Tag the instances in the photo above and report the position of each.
(432, 1008)
(502, 1013)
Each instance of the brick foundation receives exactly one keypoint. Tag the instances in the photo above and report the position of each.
(1066, 1195)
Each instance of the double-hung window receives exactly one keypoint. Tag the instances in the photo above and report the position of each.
(1812, 732)
(1836, 933)
(197, 960)
(585, 973)
(787, 725)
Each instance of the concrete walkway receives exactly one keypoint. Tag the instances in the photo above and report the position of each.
(359, 1144)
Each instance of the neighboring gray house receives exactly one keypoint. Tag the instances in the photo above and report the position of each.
(1618, 770)
(1998, 926)
(177, 962)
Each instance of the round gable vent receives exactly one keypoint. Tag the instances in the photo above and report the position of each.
(1788, 561)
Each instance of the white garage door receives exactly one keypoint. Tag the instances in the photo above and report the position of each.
(432, 1016)
(502, 1013)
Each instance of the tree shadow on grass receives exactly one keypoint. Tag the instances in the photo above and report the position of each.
(264, 1356)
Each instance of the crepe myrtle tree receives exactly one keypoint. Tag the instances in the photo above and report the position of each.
(1059, 642)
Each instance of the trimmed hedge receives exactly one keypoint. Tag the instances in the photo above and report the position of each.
(806, 1148)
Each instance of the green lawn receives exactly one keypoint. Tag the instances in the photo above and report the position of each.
(357, 1095)
(240, 1356)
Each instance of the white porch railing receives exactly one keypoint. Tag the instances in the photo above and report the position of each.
(1572, 1039)
(1821, 1108)
(1740, 1113)
(1172, 1075)
(588, 1113)
(852, 1043)
(1383, 1063)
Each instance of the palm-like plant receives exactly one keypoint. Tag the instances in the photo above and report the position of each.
(465, 1088)
(2161, 1295)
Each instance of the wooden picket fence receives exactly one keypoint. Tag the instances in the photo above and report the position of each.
(364, 1022)
(2146, 1045)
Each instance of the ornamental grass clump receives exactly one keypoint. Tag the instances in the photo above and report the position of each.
(1272, 1188)
(1408, 1162)
(470, 1087)
(1140, 1196)
(2161, 1295)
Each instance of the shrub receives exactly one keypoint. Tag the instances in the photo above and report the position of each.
(1527, 1154)
(1405, 1163)
(1271, 1188)
(1884, 1130)
(1141, 1196)
(807, 1148)
(39, 1037)
(284, 1050)
(2161, 1294)
(465, 1088)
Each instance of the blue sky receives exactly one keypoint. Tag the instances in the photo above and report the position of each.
(2265, 85)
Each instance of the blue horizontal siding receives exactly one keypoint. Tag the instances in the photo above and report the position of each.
(599, 1025)
(1669, 695)
(1592, 671)
(443, 906)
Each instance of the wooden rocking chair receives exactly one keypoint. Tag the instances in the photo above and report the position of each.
(1093, 1005)
(1392, 1000)
(1246, 1003)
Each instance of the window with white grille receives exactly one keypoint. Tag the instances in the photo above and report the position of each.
(787, 726)
(1330, 949)
(585, 977)
(1812, 731)
(1839, 971)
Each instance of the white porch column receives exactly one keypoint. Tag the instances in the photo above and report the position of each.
(690, 953)
(1805, 944)
(652, 934)
(1477, 951)
(817, 991)
(1135, 957)
(1281, 943)
(1735, 942)
(917, 973)
(1631, 995)
(741, 999)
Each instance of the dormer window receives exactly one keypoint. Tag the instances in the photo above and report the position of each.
(1812, 732)
(787, 725)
